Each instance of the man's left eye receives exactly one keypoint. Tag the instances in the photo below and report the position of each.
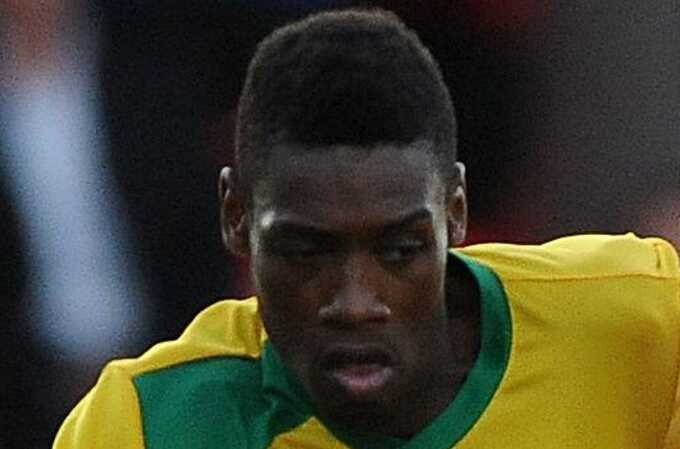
(401, 251)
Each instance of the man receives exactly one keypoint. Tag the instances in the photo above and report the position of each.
(367, 330)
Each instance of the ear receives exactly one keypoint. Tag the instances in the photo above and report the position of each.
(233, 220)
(457, 213)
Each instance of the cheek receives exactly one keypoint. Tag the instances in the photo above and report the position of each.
(288, 308)
(421, 294)
(287, 296)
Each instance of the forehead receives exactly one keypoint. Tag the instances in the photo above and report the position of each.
(346, 186)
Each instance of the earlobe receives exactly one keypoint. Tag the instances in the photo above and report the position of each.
(457, 208)
(234, 226)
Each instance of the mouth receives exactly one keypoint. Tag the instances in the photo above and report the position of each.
(361, 371)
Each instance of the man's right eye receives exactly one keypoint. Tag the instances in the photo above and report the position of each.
(298, 251)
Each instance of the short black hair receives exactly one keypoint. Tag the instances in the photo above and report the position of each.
(350, 77)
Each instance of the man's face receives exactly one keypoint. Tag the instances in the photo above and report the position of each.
(348, 252)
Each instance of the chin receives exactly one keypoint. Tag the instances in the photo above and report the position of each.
(361, 415)
(349, 408)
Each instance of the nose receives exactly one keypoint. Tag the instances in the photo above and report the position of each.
(356, 300)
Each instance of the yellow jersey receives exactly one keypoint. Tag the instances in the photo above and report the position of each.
(580, 348)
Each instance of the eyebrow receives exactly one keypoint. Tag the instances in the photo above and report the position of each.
(293, 226)
(408, 219)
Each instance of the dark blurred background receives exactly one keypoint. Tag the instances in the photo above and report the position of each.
(115, 118)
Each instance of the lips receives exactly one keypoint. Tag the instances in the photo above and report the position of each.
(361, 371)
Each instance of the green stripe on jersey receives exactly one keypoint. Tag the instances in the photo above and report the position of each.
(210, 404)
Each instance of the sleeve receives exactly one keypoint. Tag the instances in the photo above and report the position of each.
(672, 440)
(107, 417)
(673, 435)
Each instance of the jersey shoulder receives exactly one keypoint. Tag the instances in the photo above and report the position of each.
(226, 328)
(216, 355)
(584, 256)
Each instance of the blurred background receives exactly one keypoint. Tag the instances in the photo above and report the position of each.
(115, 118)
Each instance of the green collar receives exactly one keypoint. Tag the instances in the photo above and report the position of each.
(471, 400)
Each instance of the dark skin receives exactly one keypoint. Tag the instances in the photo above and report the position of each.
(348, 252)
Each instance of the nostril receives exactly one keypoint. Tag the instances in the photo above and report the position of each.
(354, 311)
